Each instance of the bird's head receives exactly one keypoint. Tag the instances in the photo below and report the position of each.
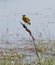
(24, 15)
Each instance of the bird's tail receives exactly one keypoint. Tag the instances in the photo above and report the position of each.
(29, 23)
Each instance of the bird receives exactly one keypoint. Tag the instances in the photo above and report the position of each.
(26, 19)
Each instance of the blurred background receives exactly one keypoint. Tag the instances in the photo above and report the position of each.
(13, 37)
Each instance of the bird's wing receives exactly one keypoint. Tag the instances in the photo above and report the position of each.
(27, 18)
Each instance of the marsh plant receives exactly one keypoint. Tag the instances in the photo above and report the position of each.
(30, 33)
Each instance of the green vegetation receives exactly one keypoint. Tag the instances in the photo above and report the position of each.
(13, 58)
(15, 61)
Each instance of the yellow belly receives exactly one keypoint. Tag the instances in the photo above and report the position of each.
(26, 20)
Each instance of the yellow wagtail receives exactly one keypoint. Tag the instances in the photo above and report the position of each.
(26, 19)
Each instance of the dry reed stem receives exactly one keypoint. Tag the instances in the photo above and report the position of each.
(30, 33)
